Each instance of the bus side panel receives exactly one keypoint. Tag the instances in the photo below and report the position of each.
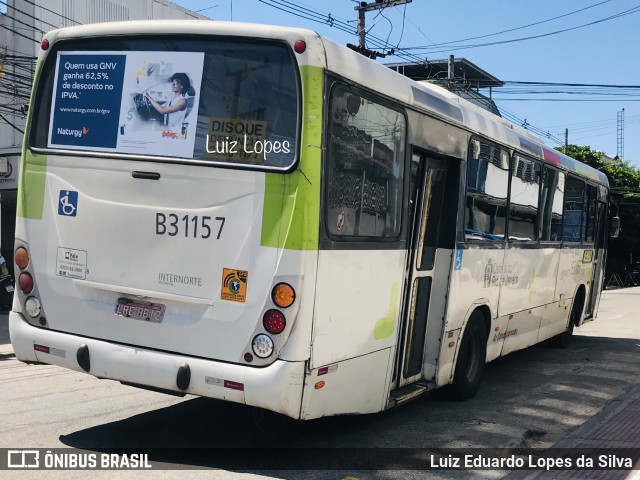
(298, 346)
(572, 272)
(528, 281)
(555, 320)
(523, 329)
(474, 283)
(357, 385)
(528, 278)
(357, 303)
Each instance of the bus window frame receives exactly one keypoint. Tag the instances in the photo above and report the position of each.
(500, 243)
(515, 241)
(49, 64)
(551, 243)
(591, 187)
(564, 210)
(355, 242)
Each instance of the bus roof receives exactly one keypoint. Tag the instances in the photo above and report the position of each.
(443, 103)
(337, 58)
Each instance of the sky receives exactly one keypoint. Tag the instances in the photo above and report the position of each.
(598, 47)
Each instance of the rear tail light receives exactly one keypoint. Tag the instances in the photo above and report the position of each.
(33, 307)
(274, 322)
(21, 257)
(25, 281)
(300, 46)
(283, 295)
(262, 345)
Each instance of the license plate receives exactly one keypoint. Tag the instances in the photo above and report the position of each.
(150, 312)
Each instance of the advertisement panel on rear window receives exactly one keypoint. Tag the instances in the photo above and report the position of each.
(205, 100)
(126, 102)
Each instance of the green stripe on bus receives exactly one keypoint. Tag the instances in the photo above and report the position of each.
(291, 215)
(33, 170)
(384, 327)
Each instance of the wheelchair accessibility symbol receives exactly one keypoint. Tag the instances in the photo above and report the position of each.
(68, 203)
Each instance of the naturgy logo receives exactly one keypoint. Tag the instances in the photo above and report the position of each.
(73, 133)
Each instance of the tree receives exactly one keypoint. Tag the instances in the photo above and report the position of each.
(624, 183)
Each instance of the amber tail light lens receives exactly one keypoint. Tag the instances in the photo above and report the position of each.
(21, 257)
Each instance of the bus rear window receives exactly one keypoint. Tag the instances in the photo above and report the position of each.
(203, 100)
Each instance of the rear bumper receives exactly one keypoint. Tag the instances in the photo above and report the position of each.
(277, 387)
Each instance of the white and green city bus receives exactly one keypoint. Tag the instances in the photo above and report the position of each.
(260, 215)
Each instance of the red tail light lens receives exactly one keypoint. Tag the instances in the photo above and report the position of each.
(300, 46)
(26, 282)
(274, 322)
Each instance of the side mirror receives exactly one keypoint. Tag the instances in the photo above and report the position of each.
(614, 227)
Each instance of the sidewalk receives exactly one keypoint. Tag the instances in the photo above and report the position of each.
(617, 426)
(5, 342)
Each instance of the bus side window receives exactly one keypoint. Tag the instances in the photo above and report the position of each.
(591, 202)
(573, 210)
(551, 200)
(365, 167)
(524, 197)
(487, 186)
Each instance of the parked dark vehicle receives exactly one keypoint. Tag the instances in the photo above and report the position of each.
(6, 292)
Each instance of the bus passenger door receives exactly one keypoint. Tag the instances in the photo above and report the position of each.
(598, 261)
(433, 204)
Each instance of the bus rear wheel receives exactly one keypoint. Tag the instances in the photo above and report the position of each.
(268, 422)
(563, 340)
(471, 359)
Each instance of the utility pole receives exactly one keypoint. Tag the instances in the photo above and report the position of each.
(566, 140)
(362, 8)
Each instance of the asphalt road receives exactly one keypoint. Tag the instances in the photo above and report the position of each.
(532, 398)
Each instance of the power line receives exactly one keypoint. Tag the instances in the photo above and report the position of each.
(26, 14)
(607, 85)
(18, 33)
(318, 16)
(442, 44)
(7, 121)
(21, 54)
(31, 27)
(565, 99)
(531, 37)
(55, 13)
(590, 123)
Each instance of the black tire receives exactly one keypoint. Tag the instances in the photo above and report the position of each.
(471, 359)
(563, 340)
(268, 422)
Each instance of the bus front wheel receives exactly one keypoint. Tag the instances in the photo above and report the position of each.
(471, 359)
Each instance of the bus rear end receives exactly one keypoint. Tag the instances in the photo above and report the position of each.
(165, 231)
